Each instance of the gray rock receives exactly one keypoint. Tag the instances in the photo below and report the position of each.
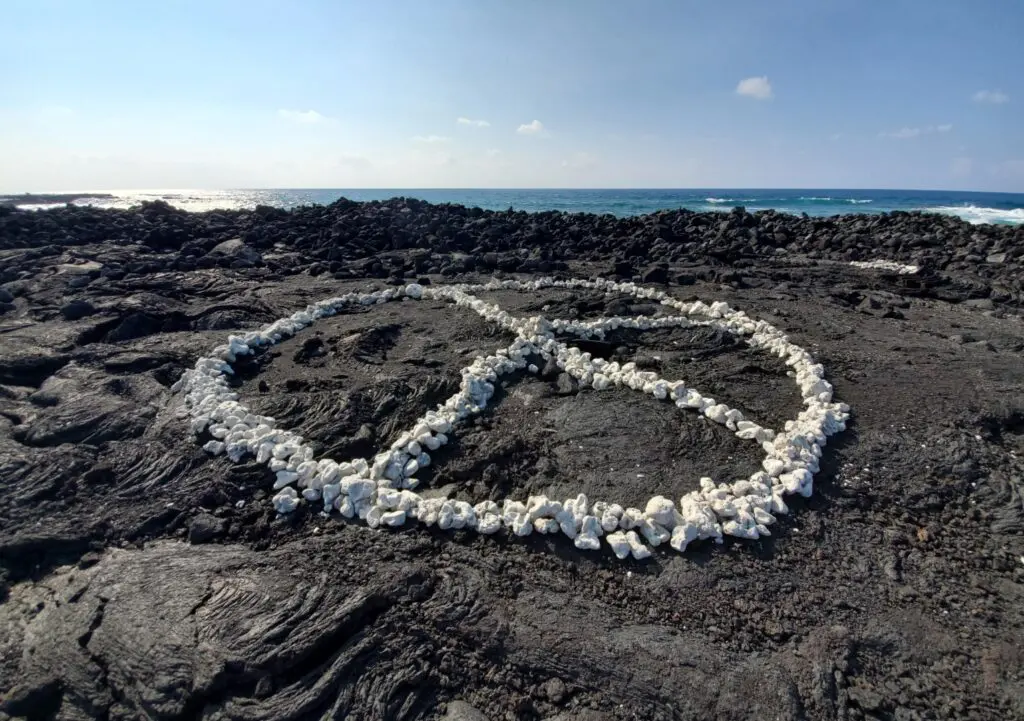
(550, 370)
(980, 345)
(204, 528)
(6, 296)
(462, 711)
(554, 689)
(867, 699)
(237, 250)
(873, 306)
(37, 699)
(980, 303)
(567, 385)
(996, 258)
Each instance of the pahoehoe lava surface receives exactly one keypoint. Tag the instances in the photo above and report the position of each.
(142, 578)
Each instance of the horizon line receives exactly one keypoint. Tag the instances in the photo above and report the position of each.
(509, 188)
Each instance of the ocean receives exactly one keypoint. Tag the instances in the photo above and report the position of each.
(1004, 208)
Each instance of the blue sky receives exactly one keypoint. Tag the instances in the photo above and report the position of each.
(551, 93)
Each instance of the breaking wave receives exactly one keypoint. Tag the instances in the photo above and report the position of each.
(827, 199)
(978, 215)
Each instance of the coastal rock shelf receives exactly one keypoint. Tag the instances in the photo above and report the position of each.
(379, 490)
(404, 238)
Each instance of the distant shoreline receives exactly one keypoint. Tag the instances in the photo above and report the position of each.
(975, 207)
(41, 198)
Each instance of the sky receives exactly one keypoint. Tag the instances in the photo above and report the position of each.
(111, 94)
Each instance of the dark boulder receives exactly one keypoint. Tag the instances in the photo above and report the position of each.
(656, 274)
(236, 252)
(77, 309)
(204, 528)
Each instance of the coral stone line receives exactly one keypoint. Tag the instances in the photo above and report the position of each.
(886, 265)
(380, 490)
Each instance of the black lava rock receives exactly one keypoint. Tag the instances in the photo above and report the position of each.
(204, 528)
(77, 309)
(238, 253)
(401, 238)
(656, 274)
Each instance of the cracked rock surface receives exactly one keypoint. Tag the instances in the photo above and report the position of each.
(143, 578)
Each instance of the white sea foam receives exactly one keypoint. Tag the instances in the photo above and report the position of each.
(977, 215)
(826, 198)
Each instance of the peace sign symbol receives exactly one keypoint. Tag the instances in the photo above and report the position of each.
(380, 490)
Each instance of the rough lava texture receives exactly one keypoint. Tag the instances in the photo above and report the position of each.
(144, 578)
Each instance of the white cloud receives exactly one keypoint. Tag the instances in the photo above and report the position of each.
(534, 128)
(902, 133)
(493, 152)
(475, 123)
(431, 139)
(993, 97)
(303, 117)
(756, 87)
(907, 133)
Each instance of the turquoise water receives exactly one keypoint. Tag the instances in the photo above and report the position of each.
(973, 207)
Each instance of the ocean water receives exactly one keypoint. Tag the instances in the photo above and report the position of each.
(1004, 208)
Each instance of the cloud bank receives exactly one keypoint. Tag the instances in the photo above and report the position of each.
(533, 128)
(303, 117)
(756, 87)
(991, 97)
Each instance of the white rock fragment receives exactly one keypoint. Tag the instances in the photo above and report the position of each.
(636, 546)
(682, 535)
(618, 543)
(213, 447)
(546, 525)
(286, 501)
(392, 518)
(589, 534)
(358, 489)
(654, 532)
(661, 510)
